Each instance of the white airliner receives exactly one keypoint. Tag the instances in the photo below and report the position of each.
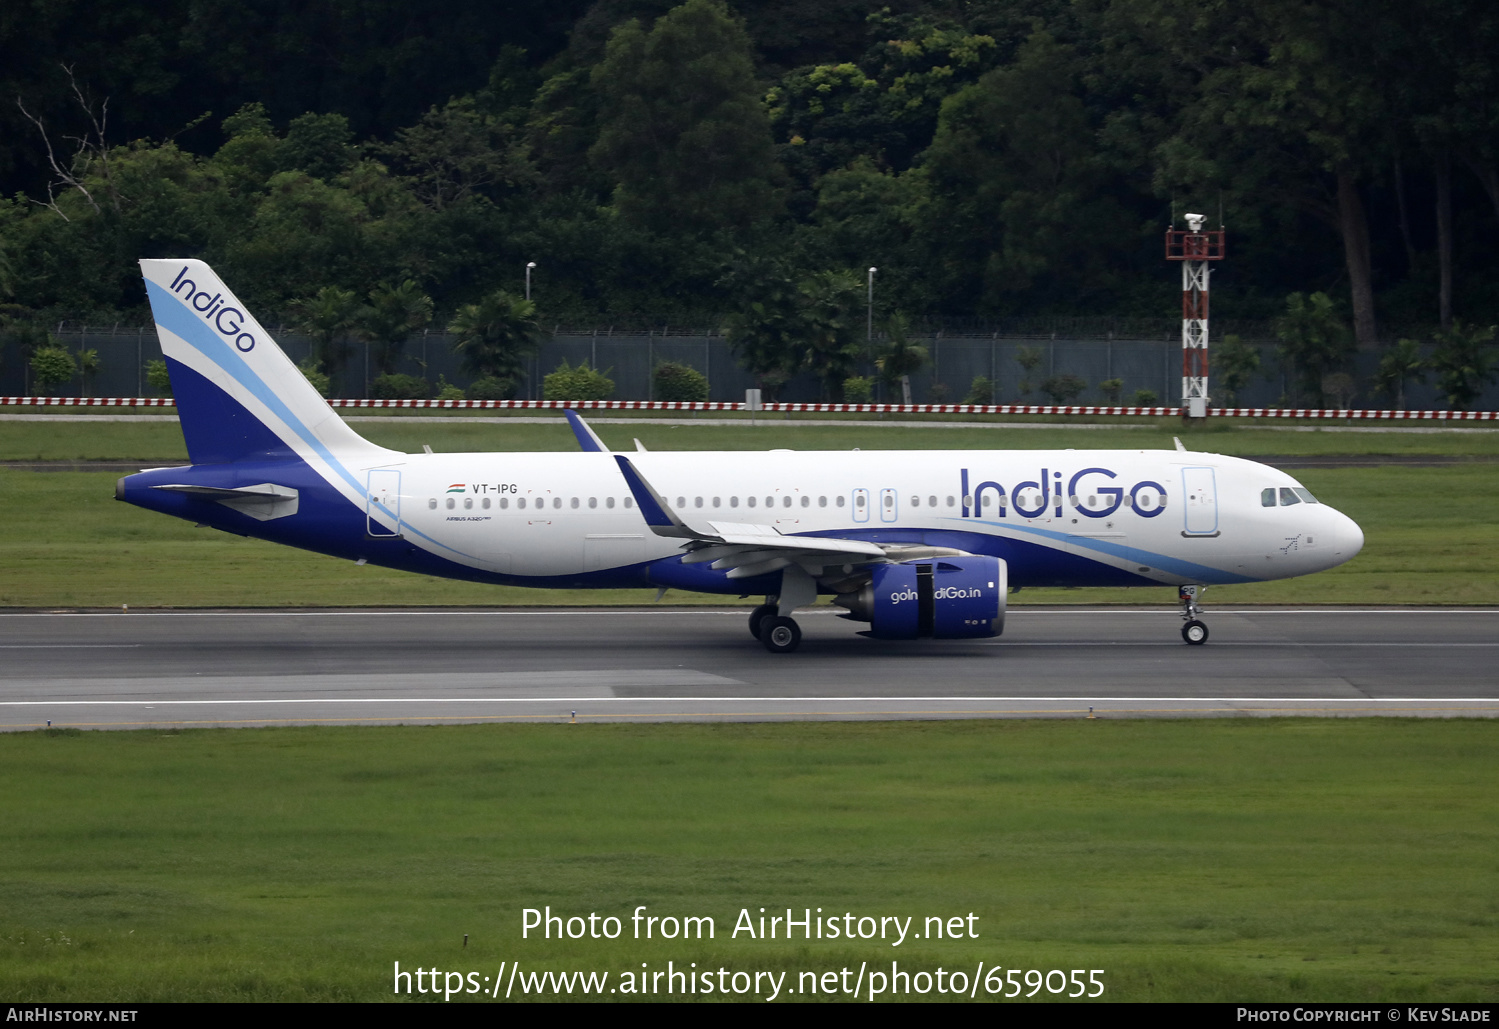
(916, 543)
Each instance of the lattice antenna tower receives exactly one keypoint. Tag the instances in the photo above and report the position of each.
(1194, 247)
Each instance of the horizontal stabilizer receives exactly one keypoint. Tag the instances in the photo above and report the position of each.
(262, 502)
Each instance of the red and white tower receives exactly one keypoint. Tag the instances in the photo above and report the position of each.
(1194, 248)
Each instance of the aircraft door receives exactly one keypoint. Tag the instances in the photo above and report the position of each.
(382, 503)
(861, 505)
(1200, 495)
(889, 505)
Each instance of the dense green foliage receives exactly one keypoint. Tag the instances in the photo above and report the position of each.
(363, 171)
(577, 383)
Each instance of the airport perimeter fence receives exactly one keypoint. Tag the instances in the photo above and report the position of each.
(1063, 410)
(954, 362)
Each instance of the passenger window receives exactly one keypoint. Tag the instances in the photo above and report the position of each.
(573, 503)
(770, 501)
(750, 501)
(733, 501)
(609, 502)
(1288, 497)
(486, 503)
(1144, 501)
(593, 502)
(967, 500)
(1306, 495)
(521, 503)
(450, 504)
(785, 501)
(1093, 501)
(838, 500)
(629, 502)
(432, 504)
(859, 500)
(504, 503)
(468, 502)
(822, 501)
(931, 501)
(715, 501)
(889, 500)
(949, 501)
(1267, 497)
(915, 501)
(806, 501)
(988, 499)
(697, 501)
(681, 503)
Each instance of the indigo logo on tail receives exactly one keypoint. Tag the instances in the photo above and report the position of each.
(227, 320)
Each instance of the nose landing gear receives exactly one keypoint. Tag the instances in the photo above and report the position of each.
(1194, 631)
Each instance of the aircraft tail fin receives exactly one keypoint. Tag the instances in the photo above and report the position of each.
(239, 397)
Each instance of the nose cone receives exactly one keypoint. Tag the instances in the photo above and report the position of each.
(1348, 538)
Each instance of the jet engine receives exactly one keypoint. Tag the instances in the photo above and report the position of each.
(949, 599)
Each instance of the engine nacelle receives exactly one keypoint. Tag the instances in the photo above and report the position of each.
(947, 599)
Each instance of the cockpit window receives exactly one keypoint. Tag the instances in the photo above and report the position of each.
(1288, 497)
(1267, 497)
(1305, 494)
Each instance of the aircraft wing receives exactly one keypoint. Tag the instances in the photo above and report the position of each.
(749, 549)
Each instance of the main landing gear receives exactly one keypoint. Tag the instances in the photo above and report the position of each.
(776, 634)
(1194, 631)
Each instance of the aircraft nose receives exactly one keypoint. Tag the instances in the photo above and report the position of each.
(1348, 537)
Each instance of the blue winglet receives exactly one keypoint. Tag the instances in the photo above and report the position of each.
(587, 439)
(650, 506)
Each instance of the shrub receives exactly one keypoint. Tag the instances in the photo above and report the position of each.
(491, 388)
(980, 391)
(158, 378)
(1110, 389)
(680, 383)
(1064, 388)
(1146, 398)
(936, 393)
(315, 375)
(580, 383)
(51, 366)
(446, 390)
(396, 386)
(858, 389)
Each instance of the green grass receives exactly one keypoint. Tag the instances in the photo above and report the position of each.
(1431, 538)
(1290, 859)
(162, 441)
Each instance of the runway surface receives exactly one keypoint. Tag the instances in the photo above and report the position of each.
(248, 668)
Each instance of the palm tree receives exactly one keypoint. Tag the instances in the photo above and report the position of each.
(389, 319)
(900, 358)
(496, 336)
(327, 317)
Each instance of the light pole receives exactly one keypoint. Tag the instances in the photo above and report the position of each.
(869, 325)
(529, 266)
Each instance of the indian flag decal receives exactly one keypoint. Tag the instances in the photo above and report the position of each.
(457, 487)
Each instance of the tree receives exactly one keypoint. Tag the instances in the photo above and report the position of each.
(1234, 366)
(980, 391)
(158, 378)
(1314, 341)
(458, 152)
(391, 316)
(579, 383)
(1029, 359)
(1400, 364)
(682, 130)
(88, 367)
(497, 336)
(51, 366)
(1465, 362)
(678, 383)
(900, 358)
(1110, 390)
(766, 331)
(1064, 388)
(832, 304)
(327, 317)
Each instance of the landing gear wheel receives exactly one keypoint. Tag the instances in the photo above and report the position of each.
(758, 615)
(780, 635)
(1195, 632)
